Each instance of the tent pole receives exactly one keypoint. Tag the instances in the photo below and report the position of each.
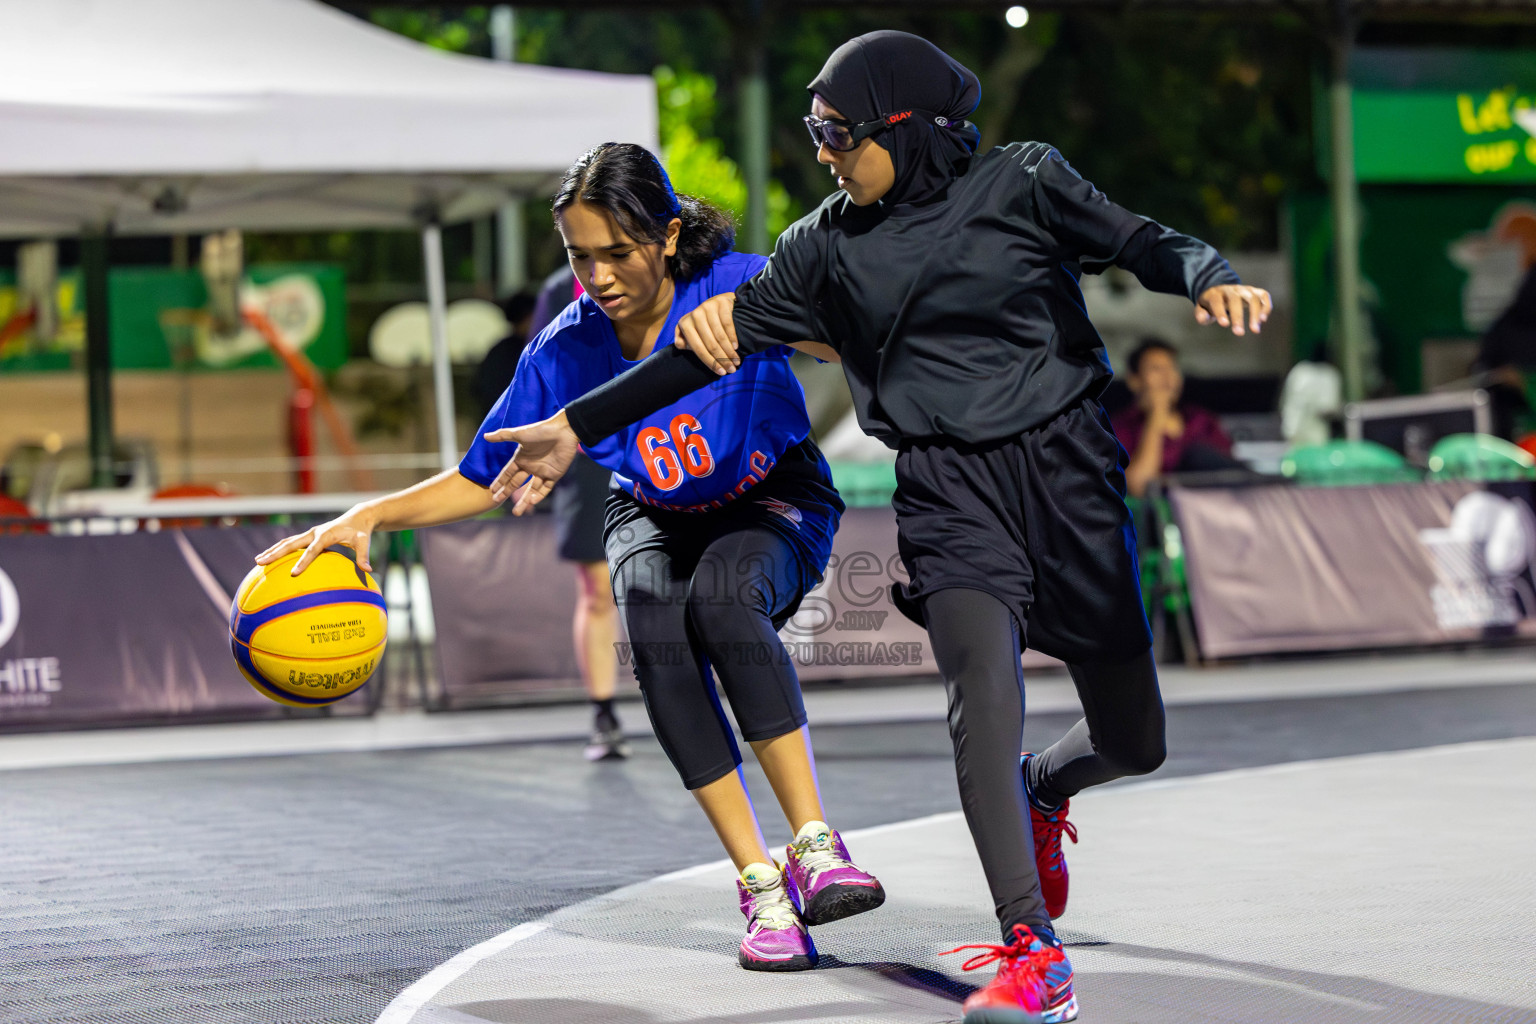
(437, 318)
(512, 246)
(755, 128)
(98, 351)
(1345, 203)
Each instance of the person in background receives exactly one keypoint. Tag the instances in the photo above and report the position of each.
(1508, 353)
(500, 363)
(1162, 433)
(579, 502)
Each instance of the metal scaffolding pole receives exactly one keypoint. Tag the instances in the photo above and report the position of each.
(437, 319)
(511, 236)
(1344, 195)
(755, 128)
(94, 263)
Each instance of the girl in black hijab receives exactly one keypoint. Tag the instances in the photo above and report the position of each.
(947, 280)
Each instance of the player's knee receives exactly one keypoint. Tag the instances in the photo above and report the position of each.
(1141, 758)
(719, 611)
(597, 605)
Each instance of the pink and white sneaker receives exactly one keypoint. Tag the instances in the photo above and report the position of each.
(829, 885)
(776, 936)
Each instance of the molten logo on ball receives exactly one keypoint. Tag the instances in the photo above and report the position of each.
(310, 639)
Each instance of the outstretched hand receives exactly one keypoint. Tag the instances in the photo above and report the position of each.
(544, 453)
(709, 332)
(354, 529)
(1231, 305)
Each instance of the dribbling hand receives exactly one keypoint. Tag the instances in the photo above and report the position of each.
(544, 453)
(1230, 305)
(353, 529)
(709, 332)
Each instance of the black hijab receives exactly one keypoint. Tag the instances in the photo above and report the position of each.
(885, 72)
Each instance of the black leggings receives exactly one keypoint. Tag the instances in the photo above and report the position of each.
(975, 641)
(686, 616)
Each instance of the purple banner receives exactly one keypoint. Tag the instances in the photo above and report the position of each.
(502, 603)
(1281, 569)
(101, 630)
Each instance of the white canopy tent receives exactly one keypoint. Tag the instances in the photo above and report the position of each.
(185, 116)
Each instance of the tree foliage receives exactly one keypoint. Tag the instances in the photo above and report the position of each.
(694, 156)
(1197, 120)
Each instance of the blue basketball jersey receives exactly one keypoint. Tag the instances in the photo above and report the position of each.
(696, 454)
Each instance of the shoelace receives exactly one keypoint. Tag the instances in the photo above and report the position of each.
(1054, 826)
(1018, 952)
(817, 857)
(772, 908)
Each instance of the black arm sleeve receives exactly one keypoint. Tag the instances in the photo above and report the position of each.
(666, 375)
(773, 308)
(1166, 261)
(1097, 233)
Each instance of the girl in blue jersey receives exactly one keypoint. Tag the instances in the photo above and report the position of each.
(721, 518)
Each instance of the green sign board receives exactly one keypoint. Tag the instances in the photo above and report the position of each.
(1429, 256)
(157, 320)
(1444, 116)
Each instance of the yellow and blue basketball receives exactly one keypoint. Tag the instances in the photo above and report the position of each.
(310, 639)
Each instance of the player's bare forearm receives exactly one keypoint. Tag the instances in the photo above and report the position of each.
(445, 498)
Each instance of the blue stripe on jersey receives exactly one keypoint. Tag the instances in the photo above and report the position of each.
(699, 452)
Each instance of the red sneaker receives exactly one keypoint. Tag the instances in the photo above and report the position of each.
(1050, 862)
(1033, 983)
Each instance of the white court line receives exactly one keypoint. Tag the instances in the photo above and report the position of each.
(417, 996)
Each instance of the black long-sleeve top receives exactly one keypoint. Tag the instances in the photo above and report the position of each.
(960, 318)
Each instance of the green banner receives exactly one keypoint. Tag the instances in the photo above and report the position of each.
(1444, 116)
(1439, 263)
(159, 320)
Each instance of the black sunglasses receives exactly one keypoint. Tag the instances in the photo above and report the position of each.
(841, 136)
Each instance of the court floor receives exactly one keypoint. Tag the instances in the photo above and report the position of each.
(1328, 891)
(299, 887)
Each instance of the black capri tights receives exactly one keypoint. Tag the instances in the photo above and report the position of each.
(686, 616)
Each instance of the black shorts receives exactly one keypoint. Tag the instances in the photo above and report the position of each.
(1040, 522)
(580, 498)
(796, 500)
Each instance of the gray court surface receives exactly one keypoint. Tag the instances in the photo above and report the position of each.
(1325, 891)
(309, 888)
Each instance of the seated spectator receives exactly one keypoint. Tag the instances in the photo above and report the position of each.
(1162, 434)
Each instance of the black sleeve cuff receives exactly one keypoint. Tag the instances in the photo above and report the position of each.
(1166, 261)
(664, 377)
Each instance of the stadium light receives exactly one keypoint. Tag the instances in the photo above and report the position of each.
(1017, 17)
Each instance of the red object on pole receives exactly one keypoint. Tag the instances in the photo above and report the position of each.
(16, 517)
(301, 437)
